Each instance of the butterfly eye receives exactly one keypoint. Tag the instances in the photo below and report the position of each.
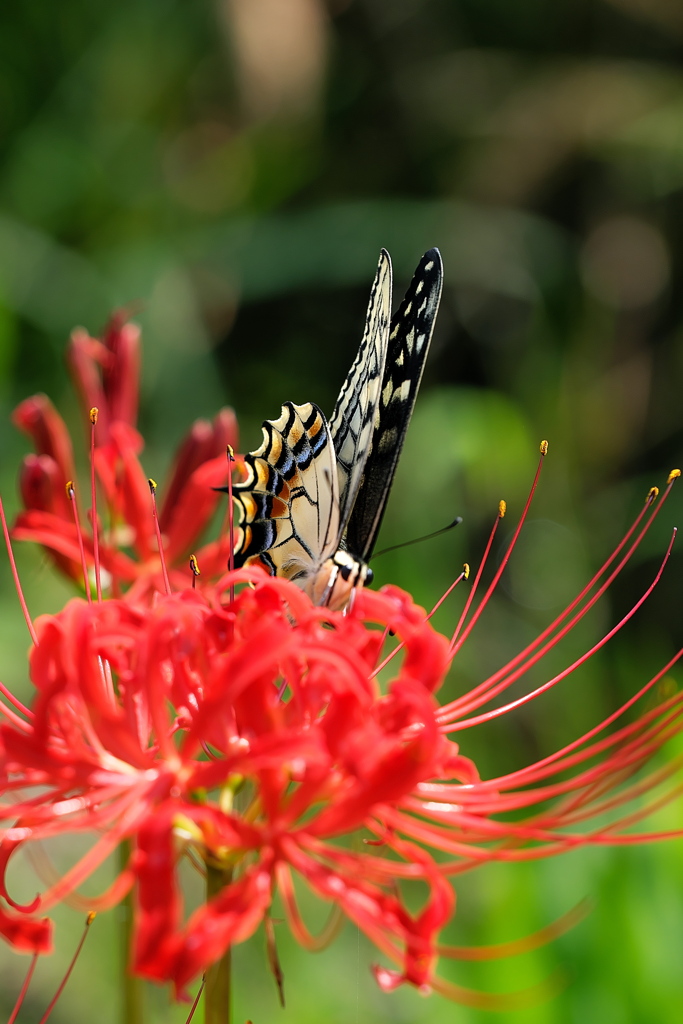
(345, 571)
(369, 576)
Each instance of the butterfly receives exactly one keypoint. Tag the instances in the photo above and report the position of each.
(312, 502)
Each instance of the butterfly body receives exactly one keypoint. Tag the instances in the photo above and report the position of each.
(312, 501)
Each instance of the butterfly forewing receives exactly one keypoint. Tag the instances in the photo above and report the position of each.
(409, 338)
(352, 422)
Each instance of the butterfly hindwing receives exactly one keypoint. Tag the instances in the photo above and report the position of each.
(288, 505)
(409, 338)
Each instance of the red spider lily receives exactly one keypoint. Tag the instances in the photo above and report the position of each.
(106, 373)
(252, 734)
(239, 728)
(145, 718)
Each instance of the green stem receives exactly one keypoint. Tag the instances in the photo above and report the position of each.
(132, 1008)
(217, 990)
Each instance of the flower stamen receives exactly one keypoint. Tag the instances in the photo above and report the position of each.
(9, 715)
(157, 530)
(502, 679)
(399, 647)
(71, 495)
(508, 680)
(455, 643)
(15, 576)
(502, 509)
(24, 989)
(560, 759)
(195, 1004)
(89, 920)
(305, 938)
(195, 570)
(516, 947)
(94, 412)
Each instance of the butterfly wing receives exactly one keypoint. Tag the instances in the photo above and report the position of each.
(409, 339)
(311, 483)
(288, 505)
(352, 422)
(299, 489)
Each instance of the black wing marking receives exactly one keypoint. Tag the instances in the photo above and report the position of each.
(409, 339)
(352, 422)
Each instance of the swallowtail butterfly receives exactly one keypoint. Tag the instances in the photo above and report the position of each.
(312, 502)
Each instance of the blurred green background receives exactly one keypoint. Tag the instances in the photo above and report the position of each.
(231, 168)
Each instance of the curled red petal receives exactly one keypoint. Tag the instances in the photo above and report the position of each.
(107, 373)
(25, 933)
(204, 442)
(194, 450)
(228, 918)
(61, 538)
(166, 950)
(196, 503)
(225, 430)
(426, 651)
(85, 356)
(7, 847)
(121, 371)
(126, 485)
(38, 418)
(49, 527)
(41, 485)
(159, 905)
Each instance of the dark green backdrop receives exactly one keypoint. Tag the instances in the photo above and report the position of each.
(232, 167)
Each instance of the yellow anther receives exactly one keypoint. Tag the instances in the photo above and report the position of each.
(231, 453)
(185, 829)
(466, 570)
(502, 508)
(90, 918)
(673, 475)
(651, 495)
(667, 687)
(94, 413)
(543, 447)
(70, 490)
(194, 565)
(152, 485)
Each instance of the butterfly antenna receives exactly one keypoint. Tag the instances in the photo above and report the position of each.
(418, 540)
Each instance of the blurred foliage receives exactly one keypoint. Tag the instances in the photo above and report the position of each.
(231, 168)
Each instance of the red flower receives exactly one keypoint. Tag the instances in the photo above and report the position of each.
(250, 732)
(106, 373)
(148, 720)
